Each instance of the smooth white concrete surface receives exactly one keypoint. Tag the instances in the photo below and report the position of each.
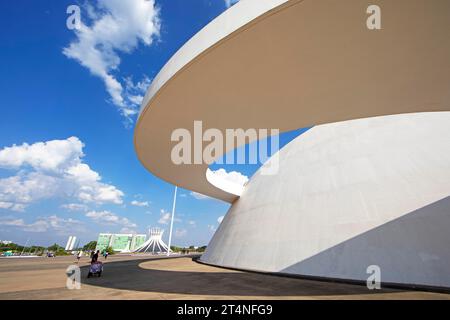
(284, 65)
(350, 194)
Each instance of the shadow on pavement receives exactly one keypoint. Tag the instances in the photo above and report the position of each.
(128, 275)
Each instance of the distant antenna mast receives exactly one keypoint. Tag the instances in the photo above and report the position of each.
(26, 243)
(171, 221)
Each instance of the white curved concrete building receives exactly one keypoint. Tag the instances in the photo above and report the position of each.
(349, 195)
(352, 191)
(155, 243)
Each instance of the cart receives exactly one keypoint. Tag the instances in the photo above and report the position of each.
(96, 268)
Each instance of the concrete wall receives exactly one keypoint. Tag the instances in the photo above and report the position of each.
(349, 195)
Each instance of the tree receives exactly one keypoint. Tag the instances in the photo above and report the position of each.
(90, 246)
(57, 250)
(175, 249)
(55, 247)
(11, 246)
(18, 248)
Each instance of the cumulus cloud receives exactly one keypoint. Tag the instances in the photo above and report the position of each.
(60, 225)
(19, 207)
(12, 222)
(45, 224)
(140, 203)
(109, 218)
(25, 188)
(51, 169)
(219, 220)
(55, 155)
(199, 196)
(233, 177)
(180, 233)
(75, 207)
(100, 193)
(165, 217)
(134, 92)
(232, 182)
(128, 230)
(110, 28)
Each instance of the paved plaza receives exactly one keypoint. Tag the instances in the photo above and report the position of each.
(146, 277)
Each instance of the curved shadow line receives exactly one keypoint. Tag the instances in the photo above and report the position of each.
(129, 275)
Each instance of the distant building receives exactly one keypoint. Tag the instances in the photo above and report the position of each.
(120, 242)
(154, 244)
(70, 243)
(5, 242)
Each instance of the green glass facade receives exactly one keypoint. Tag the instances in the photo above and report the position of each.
(120, 242)
(139, 240)
(103, 241)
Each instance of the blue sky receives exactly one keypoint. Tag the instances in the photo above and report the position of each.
(70, 110)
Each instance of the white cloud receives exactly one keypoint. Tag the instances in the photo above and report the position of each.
(229, 3)
(192, 223)
(19, 207)
(12, 222)
(61, 225)
(46, 224)
(211, 228)
(134, 92)
(100, 193)
(231, 177)
(180, 233)
(37, 226)
(51, 169)
(25, 188)
(54, 156)
(140, 203)
(220, 219)
(128, 230)
(199, 196)
(82, 173)
(115, 27)
(109, 218)
(232, 182)
(165, 217)
(75, 207)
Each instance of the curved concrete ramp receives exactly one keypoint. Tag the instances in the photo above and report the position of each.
(291, 64)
